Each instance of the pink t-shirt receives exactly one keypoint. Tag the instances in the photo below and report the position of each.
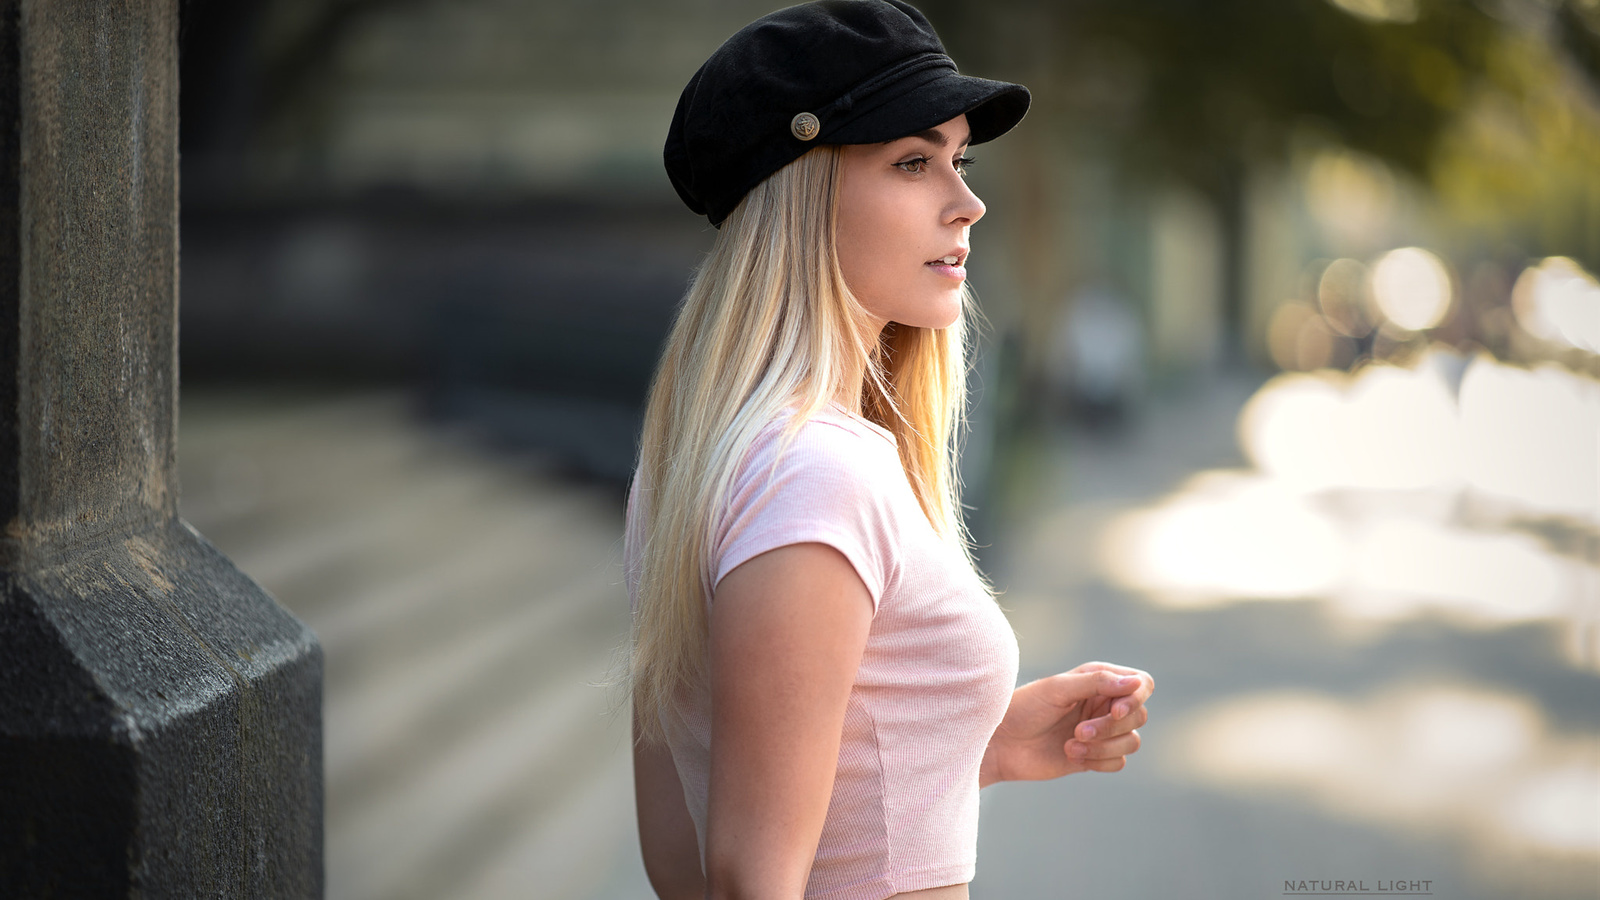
(935, 678)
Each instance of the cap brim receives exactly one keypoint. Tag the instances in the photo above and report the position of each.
(992, 108)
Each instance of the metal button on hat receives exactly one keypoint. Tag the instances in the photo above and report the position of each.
(804, 126)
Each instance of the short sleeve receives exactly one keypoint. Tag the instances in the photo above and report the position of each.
(827, 486)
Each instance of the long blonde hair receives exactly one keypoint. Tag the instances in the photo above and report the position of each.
(769, 323)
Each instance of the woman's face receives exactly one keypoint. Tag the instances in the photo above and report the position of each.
(901, 229)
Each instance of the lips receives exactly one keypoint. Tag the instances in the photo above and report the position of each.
(949, 266)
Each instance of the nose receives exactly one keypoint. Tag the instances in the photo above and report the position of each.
(964, 207)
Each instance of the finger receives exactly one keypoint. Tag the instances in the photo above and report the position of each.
(1111, 708)
(1125, 707)
(1121, 745)
(1108, 726)
(1128, 704)
(1145, 690)
(1102, 666)
(1095, 708)
(1114, 764)
(1069, 688)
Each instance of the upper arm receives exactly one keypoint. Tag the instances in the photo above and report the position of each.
(667, 840)
(787, 631)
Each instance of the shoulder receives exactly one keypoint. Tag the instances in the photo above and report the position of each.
(831, 479)
(827, 434)
(830, 447)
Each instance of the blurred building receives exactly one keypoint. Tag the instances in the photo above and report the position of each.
(469, 195)
(465, 197)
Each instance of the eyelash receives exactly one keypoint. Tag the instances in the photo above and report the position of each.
(962, 164)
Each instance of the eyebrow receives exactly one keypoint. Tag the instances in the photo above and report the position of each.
(936, 137)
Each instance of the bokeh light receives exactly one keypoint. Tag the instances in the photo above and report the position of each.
(1412, 288)
(1298, 338)
(1451, 757)
(1352, 196)
(1532, 437)
(1527, 436)
(1385, 428)
(1225, 536)
(1342, 295)
(1558, 301)
(1390, 494)
(1398, 564)
(1380, 10)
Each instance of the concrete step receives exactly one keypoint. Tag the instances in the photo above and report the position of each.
(553, 856)
(380, 730)
(425, 834)
(467, 607)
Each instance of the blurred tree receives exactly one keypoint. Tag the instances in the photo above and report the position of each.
(1205, 90)
(1521, 166)
(1578, 27)
(1202, 90)
(1474, 97)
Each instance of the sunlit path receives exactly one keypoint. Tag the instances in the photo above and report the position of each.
(1359, 676)
(1452, 487)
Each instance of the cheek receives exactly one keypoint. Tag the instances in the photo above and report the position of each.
(869, 248)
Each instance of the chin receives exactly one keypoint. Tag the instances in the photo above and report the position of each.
(920, 322)
(937, 315)
(940, 311)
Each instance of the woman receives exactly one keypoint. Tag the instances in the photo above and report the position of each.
(821, 682)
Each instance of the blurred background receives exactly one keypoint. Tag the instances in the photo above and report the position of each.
(1289, 393)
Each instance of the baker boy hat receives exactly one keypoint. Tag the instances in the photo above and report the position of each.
(831, 72)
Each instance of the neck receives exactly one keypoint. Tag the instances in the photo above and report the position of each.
(871, 330)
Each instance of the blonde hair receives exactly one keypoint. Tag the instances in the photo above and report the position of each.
(769, 323)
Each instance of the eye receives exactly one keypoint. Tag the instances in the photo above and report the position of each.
(963, 163)
(913, 166)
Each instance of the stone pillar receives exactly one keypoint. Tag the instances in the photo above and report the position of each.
(160, 715)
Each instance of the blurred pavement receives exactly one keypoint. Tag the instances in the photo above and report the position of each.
(468, 603)
(1286, 742)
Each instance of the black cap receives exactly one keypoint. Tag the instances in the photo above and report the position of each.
(830, 72)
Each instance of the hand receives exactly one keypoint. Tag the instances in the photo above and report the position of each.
(1077, 721)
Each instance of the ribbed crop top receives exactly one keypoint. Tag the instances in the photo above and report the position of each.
(934, 680)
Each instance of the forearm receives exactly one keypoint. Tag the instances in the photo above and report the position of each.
(760, 844)
(667, 838)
